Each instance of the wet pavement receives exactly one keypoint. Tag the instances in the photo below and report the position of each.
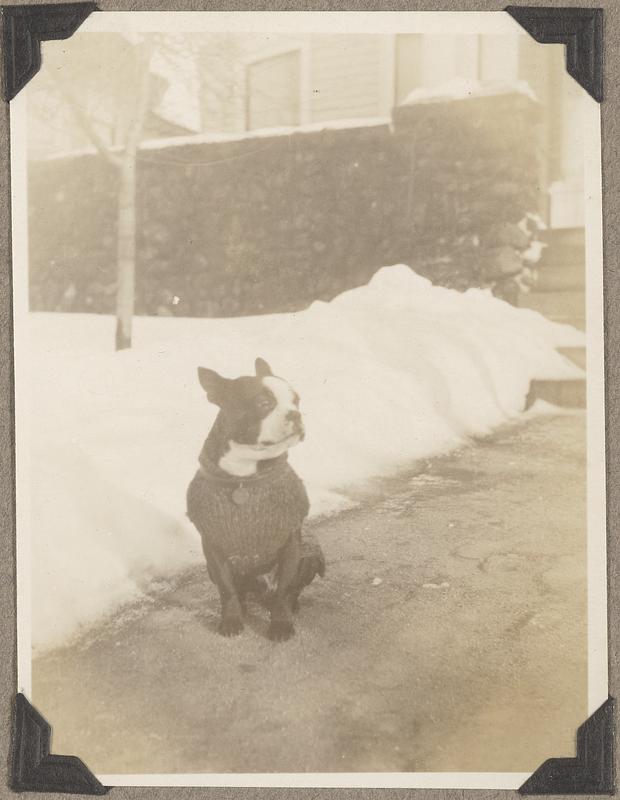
(448, 634)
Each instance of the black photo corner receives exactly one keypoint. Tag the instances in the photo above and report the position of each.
(33, 767)
(24, 27)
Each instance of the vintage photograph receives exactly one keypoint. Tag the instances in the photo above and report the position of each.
(308, 353)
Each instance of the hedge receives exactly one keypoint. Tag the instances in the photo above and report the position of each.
(266, 224)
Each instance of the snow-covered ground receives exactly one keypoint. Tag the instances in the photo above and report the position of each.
(391, 372)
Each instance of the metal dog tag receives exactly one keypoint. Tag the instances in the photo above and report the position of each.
(240, 496)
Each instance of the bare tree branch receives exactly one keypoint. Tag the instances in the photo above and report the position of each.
(83, 120)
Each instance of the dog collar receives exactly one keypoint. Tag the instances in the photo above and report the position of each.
(240, 493)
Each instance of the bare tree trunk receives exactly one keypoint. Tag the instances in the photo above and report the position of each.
(126, 254)
(126, 235)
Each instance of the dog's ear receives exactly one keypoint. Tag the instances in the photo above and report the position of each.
(263, 370)
(213, 384)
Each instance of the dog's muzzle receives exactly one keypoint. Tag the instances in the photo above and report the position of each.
(294, 417)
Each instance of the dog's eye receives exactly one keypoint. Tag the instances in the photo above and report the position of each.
(264, 404)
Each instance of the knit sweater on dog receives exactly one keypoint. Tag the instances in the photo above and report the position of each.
(248, 520)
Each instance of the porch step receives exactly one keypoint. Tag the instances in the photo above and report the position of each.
(556, 238)
(562, 275)
(568, 306)
(559, 293)
(565, 393)
(562, 265)
(575, 354)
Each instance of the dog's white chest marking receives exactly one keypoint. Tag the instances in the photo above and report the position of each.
(237, 462)
(241, 459)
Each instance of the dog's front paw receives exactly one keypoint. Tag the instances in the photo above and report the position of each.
(280, 630)
(230, 626)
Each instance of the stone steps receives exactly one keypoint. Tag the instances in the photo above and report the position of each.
(567, 306)
(560, 291)
(563, 275)
(570, 239)
(575, 354)
(560, 296)
(563, 392)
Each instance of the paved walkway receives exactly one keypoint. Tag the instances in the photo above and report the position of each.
(449, 634)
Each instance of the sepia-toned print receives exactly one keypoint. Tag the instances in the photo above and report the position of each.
(309, 399)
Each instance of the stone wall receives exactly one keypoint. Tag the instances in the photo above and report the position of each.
(263, 224)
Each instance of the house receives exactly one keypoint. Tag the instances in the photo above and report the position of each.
(242, 82)
(291, 80)
(251, 81)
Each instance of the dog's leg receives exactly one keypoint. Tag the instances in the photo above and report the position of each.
(311, 564)
(243, 585)
(281, 627)
(231, 623)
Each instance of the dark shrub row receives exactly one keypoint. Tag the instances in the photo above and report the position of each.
(270, 224)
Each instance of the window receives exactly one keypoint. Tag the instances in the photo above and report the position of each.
(273, 91)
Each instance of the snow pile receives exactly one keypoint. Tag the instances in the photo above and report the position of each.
(241, 136)
(267, 133)
(388, 373)
(462, 88)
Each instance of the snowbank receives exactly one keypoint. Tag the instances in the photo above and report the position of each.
(388, 373)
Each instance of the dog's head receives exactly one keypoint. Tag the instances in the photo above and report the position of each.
(259, 411)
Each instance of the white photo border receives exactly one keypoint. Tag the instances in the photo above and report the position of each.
(332, 22)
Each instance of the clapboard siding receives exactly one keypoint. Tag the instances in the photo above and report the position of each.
(340, 77)
(345, 76)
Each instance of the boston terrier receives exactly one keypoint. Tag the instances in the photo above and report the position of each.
(247, 502)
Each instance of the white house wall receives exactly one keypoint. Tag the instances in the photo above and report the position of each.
(447, 57)
(567, 206)
(347, 78)
(499, 58)
(341, 77)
